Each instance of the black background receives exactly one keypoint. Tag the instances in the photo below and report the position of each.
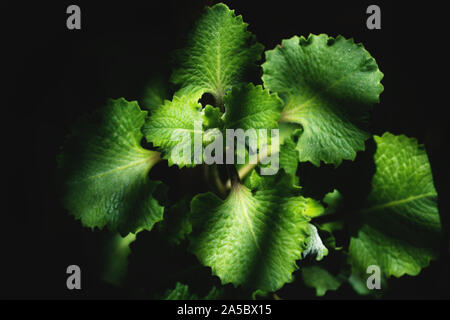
(54, 75)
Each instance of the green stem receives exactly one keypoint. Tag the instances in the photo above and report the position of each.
(246, 169)
(215, 177)
(243, 172)
(219, 102)
(233, 175)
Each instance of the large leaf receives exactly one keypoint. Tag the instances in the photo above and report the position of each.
(219, 54)
(400, 229)
(105, 171)
(329, 86)
(253, 237)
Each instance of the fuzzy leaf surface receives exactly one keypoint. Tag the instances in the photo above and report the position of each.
(171, 128)
(328, 86)
(219, 54)
(251, 107)
(105, 171)
(400, 228)
(253, 237)
(182, 292)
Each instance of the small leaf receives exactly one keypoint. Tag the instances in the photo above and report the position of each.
(314, 245)
(333, 201)
(171, 128)
(251, 107)
(105, 172)
(319, 278)
(220, 53)
(400, 229)
(328, 86)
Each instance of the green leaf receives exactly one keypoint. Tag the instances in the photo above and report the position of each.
(319, 278)
(212, 117)
(154, 95)
(400, 228)
(288, 157)
(329, 230)
(253, 237)
(172, 125)
(314, 245)
(328, 86)
(182, 292)
(251, 107)
(115, 258)
(334, 202)
(360, 286)
(105, 171)
(219, 54)
(171, 128)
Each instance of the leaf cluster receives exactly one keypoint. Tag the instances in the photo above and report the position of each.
(252, 232)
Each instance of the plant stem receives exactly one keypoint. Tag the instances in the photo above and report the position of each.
(243, 172)
(221, 189)
(233, 175)
(219, 102)
(246, 169)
